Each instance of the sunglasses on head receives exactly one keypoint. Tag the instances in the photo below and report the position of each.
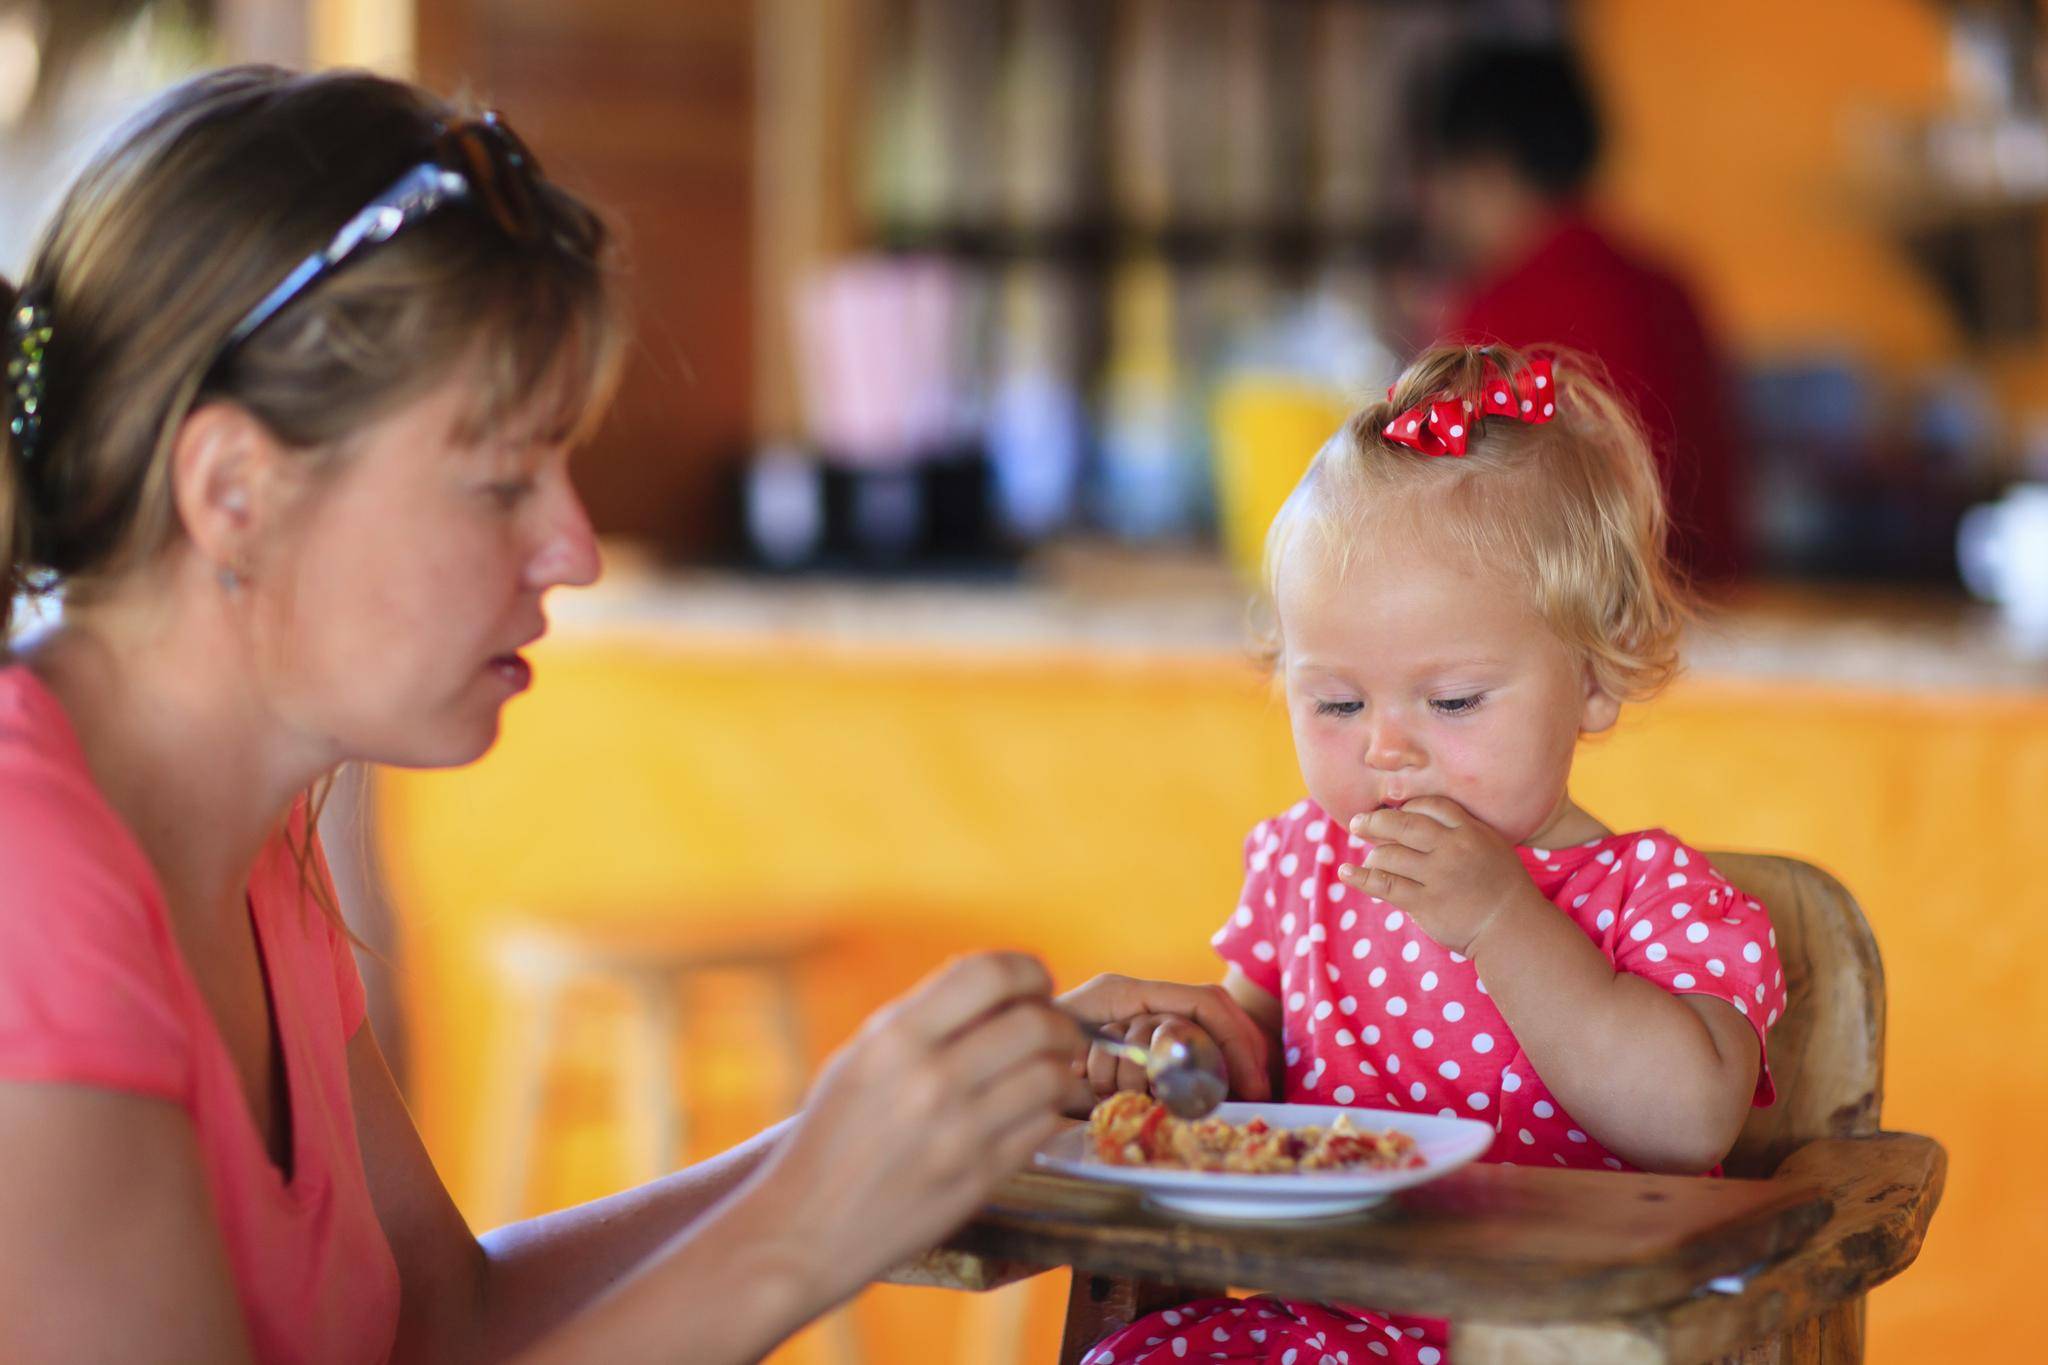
(478, 161)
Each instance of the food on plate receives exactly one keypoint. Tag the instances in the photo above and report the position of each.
(1133, 1129)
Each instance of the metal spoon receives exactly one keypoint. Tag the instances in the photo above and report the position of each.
(1186, 1073)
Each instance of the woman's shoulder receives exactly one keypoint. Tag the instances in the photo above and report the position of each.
(87, 987)
(67, 855)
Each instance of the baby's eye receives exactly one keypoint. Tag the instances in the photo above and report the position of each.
(1338, 708)
(1457, 706)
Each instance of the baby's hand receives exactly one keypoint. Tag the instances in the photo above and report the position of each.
(1108, 1072)
(1448, 870)
(1137, 1011)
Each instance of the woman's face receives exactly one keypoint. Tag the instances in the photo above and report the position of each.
(389, 615)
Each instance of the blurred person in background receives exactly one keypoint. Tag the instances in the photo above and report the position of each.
(1510, 136)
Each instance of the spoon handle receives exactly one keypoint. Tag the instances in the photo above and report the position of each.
(1109, 1042)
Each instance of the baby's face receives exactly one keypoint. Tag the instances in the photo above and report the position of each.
(1417, 674)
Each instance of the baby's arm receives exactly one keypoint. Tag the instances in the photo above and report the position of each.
(1263, 1009)
(1663, 1081)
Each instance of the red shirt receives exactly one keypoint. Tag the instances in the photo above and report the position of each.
(1581, 288)
(1377, 1014)
(95, 992)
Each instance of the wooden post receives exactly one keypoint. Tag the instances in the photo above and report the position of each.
(265, 31)
(811, 72)
(1100, 1304)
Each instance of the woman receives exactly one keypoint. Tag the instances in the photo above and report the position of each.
(293, 380)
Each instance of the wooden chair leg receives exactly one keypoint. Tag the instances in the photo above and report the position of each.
(1100, 1304)
(1831, 1338)
(518, 1069)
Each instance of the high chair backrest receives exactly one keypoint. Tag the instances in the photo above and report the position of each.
(1827, 1052)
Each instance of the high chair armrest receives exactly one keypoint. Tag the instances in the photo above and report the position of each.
(1884, 1189)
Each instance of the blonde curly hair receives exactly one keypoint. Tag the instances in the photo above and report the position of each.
(1571, 507)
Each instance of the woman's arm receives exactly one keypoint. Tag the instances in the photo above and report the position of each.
(481, 1298)
(941, 1095)
(108, 1245)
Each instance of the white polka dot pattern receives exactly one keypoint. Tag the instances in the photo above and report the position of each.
(1272, 1331)
(1654, 906)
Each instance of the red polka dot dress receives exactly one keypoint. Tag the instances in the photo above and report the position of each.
(1378, 1015)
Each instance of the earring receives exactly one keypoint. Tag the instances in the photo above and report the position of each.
(230, 581)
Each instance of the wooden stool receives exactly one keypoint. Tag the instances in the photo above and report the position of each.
(658, 965)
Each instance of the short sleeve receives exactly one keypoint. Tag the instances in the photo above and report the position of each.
(1692, 932)
(87, 990)
(1247, 939)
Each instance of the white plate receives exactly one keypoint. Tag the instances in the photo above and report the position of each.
(1445, 1145)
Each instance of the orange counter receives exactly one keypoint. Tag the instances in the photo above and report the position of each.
(1090, 807)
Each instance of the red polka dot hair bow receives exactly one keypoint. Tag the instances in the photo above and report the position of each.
(1442, 425)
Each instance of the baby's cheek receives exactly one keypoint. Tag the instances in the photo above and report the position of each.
(1500, 782)
(1323, 765)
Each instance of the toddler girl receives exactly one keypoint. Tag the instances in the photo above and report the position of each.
(1469, 579)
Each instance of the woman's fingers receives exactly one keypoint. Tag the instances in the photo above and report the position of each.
(1012, 1150)
(1026, 1093)
(967, 988)
(988, 1049)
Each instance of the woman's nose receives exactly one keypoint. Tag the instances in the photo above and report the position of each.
(567, 556)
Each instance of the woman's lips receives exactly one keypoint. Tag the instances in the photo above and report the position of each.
(513, 671)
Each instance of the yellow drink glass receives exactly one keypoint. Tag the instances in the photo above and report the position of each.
(1266, 430)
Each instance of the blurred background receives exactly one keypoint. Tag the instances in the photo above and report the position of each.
(978, 342)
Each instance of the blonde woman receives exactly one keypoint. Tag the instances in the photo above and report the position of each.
(292, 385)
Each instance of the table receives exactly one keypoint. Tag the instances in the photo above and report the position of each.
(966, 779)
(1601, 1266)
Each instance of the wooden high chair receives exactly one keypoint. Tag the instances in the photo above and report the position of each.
(1827, 1058)
(1866, 1198)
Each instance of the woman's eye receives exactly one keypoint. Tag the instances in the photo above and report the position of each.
(509, 495)
(1457, 706)
(1338, 708)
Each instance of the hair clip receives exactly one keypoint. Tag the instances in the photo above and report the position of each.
(1443, 426)
(28, 338)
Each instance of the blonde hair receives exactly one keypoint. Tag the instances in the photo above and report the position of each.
(1571, 507)
(187, 218)
(193, 213)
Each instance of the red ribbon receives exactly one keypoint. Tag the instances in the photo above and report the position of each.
(1442, 426)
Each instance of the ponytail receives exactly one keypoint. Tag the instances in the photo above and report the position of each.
(14, 547)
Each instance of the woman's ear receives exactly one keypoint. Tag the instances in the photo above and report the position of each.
(1600, 709)
(224, 467)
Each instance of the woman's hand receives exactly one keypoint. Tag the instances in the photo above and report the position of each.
(1142, 1011)
(1448, 870)
(910, 1125)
